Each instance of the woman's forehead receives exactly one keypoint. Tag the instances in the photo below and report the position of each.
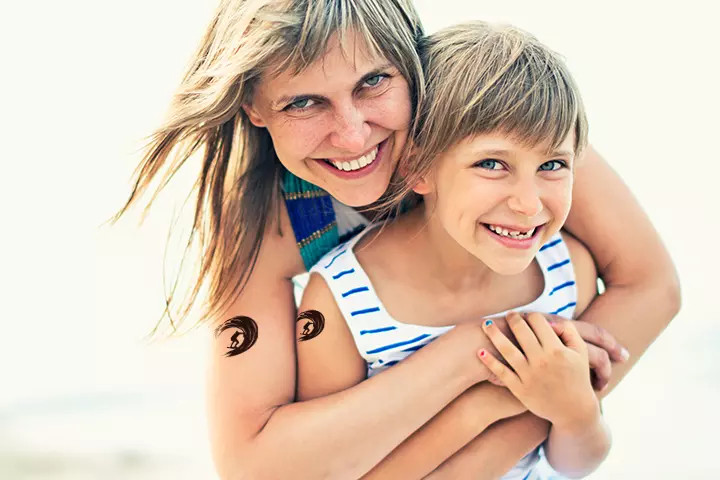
(340, 67)
(348, 50)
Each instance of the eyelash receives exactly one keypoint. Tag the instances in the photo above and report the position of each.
(562, 164)
(291, 108)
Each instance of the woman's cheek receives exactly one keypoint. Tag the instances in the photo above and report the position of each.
(297, 138)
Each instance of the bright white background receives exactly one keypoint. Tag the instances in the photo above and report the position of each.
(82, 395)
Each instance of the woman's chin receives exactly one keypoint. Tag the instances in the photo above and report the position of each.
(358, 197)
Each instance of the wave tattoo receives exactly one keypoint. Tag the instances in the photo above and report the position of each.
(244, 326)
(315, 322)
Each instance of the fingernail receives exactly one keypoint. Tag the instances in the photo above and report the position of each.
(624, 354)
(488, 323)
(482, 353)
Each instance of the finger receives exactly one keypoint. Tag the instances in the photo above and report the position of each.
(524, 335)
(600, 364)
(569, 335)
(512, 355)
(545, 333)
(600, 337)
(500, 371)
(495, 380)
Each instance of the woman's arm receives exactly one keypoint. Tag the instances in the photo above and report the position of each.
(256, 430)
(642, 290)
(446, 433)
(496, 450)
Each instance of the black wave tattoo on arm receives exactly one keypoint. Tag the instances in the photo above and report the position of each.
(244, 326)
(315, 322)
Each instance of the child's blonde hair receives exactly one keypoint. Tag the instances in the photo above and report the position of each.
(239, 174)
(483, 78)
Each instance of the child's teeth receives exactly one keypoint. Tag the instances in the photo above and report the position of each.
(512, 234)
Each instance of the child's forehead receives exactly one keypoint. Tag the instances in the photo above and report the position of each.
(502, 142)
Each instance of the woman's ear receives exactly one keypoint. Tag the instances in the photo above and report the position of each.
(253, 115)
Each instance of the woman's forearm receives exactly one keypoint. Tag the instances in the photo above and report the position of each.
(635, 315)
(447, 432)
(345, 434)
(496, 450)
(642, 288)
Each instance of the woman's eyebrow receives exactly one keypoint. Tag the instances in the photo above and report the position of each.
(287, 99)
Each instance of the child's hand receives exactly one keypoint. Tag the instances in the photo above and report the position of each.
(550, 374)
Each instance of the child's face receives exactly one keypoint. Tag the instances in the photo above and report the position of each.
(501, 200)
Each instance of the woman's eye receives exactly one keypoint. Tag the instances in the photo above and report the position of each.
(301, 104)
(375, 80)
(489, 164)
(552, 165)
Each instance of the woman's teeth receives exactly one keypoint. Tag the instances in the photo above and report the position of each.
(511, 234)
(356, 164)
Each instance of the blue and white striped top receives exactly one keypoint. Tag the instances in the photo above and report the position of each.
(382, 341)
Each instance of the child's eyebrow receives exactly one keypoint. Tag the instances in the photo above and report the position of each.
(562, 153)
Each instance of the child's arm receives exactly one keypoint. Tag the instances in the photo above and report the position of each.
(328, 362)
(327, 359)
(500, 447)
(550, 377)
(579, 438)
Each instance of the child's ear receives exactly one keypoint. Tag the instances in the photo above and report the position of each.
(253, 115)
(424, 186)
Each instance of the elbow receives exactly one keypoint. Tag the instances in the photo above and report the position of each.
(668, 294)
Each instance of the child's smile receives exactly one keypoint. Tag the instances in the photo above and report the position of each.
(498, 199)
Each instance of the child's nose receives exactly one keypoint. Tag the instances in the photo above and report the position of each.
(525, 200)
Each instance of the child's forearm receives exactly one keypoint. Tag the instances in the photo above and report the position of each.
(447, 432)
(577, 450)
(495, 451)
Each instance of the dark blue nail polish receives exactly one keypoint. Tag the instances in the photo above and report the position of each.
(488, 323)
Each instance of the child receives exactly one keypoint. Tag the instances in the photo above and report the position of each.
(503, 128)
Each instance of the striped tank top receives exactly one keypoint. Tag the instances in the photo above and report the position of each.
(382, 341)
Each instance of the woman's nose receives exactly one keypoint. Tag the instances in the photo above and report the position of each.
(351, 133)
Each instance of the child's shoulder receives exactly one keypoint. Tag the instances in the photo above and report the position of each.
(585, 271)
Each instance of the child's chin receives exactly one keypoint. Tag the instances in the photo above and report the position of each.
(511, 268)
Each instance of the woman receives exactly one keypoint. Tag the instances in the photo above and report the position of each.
(327, 90)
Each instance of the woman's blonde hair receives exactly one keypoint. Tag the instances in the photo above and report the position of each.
(238, 186)
(483, 78)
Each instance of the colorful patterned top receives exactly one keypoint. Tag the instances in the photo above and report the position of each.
(320, 222)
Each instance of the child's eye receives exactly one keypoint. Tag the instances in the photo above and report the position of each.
(552, 165)
(375, 80)
(489, 164)
(301, 104)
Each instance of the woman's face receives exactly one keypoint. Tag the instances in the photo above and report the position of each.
(340, 124)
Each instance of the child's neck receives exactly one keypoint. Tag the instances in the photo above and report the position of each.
(448, 263)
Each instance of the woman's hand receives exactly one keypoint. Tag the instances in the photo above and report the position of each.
(603, 349)
(548, 373)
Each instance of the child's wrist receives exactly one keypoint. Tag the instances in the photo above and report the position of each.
(582, 420)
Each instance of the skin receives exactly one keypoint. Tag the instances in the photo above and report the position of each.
(364, 102)
(257, 431)
(485, 178)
